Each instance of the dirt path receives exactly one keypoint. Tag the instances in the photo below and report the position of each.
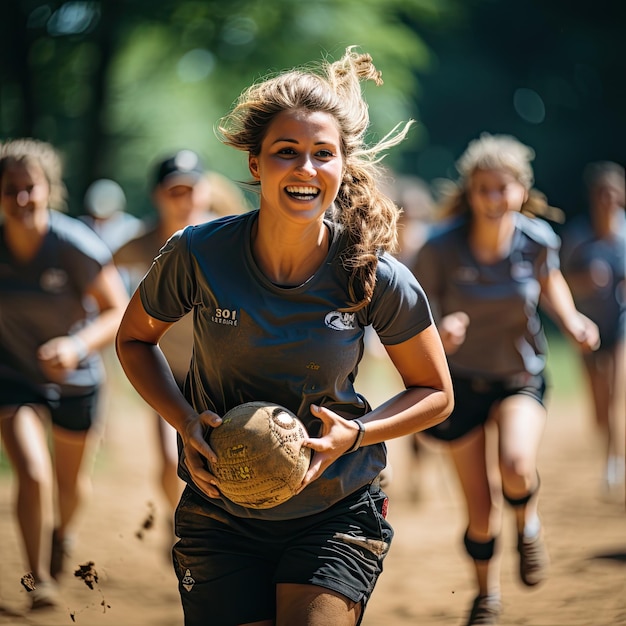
(427, 577)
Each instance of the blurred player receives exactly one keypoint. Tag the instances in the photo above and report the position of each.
(485, 275)
(105, 203)
(183, 193)
(61, 299)
(594, 264)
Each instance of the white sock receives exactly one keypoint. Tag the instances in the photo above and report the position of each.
(532, 527)
(614, 473)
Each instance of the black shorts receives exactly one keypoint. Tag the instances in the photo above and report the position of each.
(76, 413)
(228, 567)
(474, 399)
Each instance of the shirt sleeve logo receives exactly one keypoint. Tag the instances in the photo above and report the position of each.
(340, 321)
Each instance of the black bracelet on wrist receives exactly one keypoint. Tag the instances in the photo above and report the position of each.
(359, 437)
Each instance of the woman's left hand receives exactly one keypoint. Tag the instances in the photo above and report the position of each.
(59, 356)
(337, 436)
(585, 332)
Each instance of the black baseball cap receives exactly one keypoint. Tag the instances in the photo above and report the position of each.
(185, 167)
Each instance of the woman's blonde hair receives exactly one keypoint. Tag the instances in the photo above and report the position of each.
(498, 152)
(367, 214)
(28, 150)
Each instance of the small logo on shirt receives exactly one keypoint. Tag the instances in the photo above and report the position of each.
(53, 280)
(229, 317)
(465, 274)
(339, 321)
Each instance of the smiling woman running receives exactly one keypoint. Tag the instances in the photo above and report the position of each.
(281, 297)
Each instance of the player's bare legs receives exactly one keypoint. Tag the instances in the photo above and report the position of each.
(483, 508)
(171, 484)
(521, 421)
(25, 442)
(606, 373)
(73, 454)
(618, 424)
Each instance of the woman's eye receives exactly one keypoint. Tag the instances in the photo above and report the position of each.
(325, 154)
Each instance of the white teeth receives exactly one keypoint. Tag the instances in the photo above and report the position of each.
(303, 191)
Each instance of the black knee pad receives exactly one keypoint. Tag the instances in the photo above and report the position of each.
(479, 550)
(517, 502)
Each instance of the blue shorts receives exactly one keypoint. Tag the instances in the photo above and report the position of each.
(75, 413)
(228, 567)
(474, 399)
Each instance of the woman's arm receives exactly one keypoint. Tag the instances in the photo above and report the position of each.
(426, 401)
(60, 354)
(557, 301)
(428, 398)
(149, 372)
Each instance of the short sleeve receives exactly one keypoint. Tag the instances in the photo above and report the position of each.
(167, 289)
(399, 309)
(82, 251)
(543, 234)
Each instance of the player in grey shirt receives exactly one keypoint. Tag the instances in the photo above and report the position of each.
(61, 299)
(280, 298)
(594, 263)
(485, 275)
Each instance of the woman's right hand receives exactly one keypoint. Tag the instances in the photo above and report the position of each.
(452, 329)
(198, 452)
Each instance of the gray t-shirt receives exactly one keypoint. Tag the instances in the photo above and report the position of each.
(505, 337)
(45, 298)
(583, 252)
(254, 340)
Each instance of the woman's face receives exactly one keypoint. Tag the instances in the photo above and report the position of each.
(493, 193)
(24, 192)
(300, 165)
(608, 194)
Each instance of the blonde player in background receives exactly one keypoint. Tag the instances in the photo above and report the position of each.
(485, 274)
(61, 300)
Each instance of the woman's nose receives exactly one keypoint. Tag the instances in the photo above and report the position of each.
(305, 167)
(495, 196)
(22, 198)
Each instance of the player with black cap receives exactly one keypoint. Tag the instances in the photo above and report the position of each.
(181, 194)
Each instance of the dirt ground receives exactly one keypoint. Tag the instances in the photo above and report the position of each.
(427, 578)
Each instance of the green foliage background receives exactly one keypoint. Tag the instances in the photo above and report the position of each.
(114, 84)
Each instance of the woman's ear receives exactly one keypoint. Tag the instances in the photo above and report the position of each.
(253, 166)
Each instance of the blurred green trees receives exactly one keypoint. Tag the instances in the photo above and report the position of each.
(116, 83)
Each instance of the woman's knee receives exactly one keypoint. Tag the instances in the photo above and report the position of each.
(518, 472)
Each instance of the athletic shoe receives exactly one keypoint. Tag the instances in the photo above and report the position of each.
(45, 595)
(534, 560)
(485, 611)
(61, 551)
